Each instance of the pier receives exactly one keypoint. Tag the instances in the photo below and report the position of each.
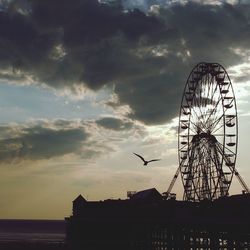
(146, 221)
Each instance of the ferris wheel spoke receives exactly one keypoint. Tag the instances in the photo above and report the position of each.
(223, 180)
(217, 129)
(203, 94)
(214, 129)
(225, 147)
(195, 125)
(197, 119)
(205, 171)
(217, 159)
(214, 110)
(198, 109)
(210, 85)
(218, 168)
(196, 180)
(194, 131)
(198, 101)
(209, 81)
(215, 89)
(220, 148)
(194, 112)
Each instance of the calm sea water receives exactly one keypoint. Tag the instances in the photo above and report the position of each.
(40, 231)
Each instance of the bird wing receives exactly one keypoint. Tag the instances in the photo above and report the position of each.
(154, 160)
(139, 156)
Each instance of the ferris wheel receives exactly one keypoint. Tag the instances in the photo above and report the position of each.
(207, 134)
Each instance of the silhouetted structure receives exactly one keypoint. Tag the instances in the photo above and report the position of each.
(78, 205)
(146, 221)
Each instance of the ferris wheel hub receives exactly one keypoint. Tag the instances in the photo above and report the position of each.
(204, 136)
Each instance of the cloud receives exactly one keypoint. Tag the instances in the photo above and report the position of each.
(144, 58)
(74, 139)
(114, 123)
(45, 140)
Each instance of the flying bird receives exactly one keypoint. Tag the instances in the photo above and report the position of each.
(145, 162)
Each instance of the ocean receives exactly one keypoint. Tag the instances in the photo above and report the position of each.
(32, 234)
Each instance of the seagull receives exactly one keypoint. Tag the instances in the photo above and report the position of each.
(145, 162)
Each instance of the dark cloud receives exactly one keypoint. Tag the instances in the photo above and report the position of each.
(114, 123)
(143, 5)
(46, 140)
(61, 43)
(145, 57)
(193, 33)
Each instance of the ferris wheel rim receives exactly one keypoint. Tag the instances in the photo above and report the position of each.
(225, 116)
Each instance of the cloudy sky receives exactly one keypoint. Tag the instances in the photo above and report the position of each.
(85, 83)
